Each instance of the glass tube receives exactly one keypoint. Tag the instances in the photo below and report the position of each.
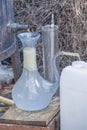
(50, 47)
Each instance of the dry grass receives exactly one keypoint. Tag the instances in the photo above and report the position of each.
(70, 16)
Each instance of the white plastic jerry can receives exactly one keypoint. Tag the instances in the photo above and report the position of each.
(73, 96)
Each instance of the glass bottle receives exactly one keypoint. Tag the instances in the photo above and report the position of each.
(32, 92)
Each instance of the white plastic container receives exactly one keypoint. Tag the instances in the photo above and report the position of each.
(73, 96)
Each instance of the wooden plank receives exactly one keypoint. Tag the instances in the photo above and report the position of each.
(41, 118)
(16, 63)
(50, 126)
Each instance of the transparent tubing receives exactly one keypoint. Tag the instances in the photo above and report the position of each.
(57, 56)
(50, 48)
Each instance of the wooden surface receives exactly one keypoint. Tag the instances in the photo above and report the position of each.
(16, 63)
(39, 118)
(53, 125)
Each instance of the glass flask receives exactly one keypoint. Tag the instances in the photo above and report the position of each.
(32, 92)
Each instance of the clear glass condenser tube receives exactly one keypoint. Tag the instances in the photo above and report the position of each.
(50, 47)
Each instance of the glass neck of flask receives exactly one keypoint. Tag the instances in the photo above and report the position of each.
(30, 58)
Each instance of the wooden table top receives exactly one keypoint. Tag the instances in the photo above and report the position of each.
(15, 115)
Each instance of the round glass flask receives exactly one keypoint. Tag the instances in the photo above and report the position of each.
(31, 92)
